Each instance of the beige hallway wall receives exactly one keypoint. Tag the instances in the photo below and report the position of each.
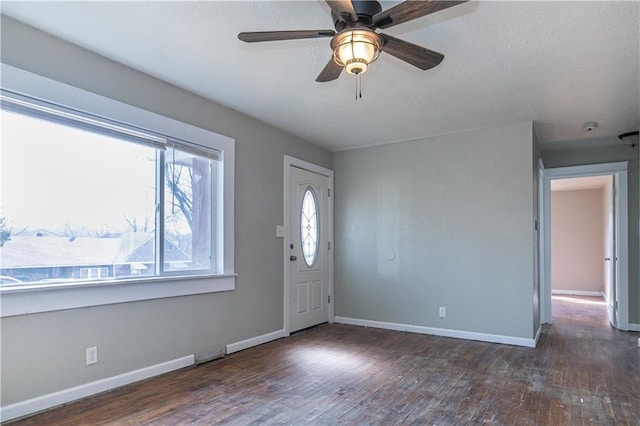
(577, 240)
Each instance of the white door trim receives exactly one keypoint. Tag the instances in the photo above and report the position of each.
(289, 162)
(542, 306)
(618, 169)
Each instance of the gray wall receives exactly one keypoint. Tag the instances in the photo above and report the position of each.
(43, 353)
(440, 222)
(615, 151)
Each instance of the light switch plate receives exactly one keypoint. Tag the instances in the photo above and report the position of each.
(279, 231)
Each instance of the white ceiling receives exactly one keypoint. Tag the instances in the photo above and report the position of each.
(577, 184)
(559, 64)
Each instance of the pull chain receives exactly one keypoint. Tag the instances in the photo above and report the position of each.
(358, 86)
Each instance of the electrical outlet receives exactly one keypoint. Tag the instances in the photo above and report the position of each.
(92, 355)
(443, 312)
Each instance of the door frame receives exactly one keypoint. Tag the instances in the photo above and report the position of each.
(289, 162)
(619, 170)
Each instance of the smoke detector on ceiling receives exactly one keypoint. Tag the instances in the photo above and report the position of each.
(590, 126)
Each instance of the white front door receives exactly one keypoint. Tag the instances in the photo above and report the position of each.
(309, 249)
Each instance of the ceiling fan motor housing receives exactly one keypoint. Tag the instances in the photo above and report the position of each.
(365, 10)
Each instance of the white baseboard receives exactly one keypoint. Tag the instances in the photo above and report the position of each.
(40, 403)
(535, 339)
(578, 293)
(634, 327)
(458, 334)
(254, 341)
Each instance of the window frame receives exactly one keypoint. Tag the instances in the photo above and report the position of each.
(24, 299)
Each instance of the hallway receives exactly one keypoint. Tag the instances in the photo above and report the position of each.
(580, 313)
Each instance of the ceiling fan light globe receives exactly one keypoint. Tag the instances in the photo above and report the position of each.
(356, 49)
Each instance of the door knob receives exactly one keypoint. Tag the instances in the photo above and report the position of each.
(292, 258)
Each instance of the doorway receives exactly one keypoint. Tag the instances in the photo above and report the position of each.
(616, 279)
(308, 255)
(582, 249)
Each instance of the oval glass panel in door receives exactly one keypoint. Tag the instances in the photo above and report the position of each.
(309, 227)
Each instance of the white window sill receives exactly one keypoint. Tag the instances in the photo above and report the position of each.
(17, 300)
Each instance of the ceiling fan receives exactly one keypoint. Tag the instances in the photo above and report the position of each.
(356, 44)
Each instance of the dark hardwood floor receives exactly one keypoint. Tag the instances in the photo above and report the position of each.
(582, 372)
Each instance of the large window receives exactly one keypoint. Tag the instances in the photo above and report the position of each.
(86, 198)
(81, 199)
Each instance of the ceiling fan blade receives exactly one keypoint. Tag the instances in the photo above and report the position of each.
(256, 36)
(330, 72)
(343, 9)
(413, 54)
(409, 10)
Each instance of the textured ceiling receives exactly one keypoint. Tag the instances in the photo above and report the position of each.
(559, 64)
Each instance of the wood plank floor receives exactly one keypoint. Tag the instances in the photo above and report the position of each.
(583, 372)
